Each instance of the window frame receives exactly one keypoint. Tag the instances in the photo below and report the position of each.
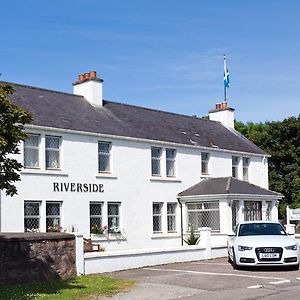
(96, 216)
(157, 160)
(172, 161)
(235, 167)
(157, 215)
(107, 155)
(110, 216)
(58, 150)
(32, 148)
(246, 168)
(53, 216)
(38, 217)
(172, 216)
(205, 163)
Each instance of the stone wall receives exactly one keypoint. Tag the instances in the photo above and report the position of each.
(30, 257)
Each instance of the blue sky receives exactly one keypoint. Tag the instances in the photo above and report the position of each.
(162, 54)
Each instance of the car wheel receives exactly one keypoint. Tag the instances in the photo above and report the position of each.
(234, 264)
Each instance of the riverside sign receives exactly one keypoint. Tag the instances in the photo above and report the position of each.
(78, 187)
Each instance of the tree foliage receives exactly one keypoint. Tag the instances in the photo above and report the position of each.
(282, 141)
(12, 120)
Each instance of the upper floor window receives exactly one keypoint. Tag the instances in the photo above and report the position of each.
(246, 162)
(104, 149)
(31, 151)
(170, 162)
(235, 164)
(204, 163)
(52, 152)
(155, 161)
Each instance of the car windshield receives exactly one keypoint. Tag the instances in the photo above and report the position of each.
(261, 229)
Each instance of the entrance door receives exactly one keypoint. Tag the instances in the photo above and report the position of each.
(234, 213)
(252, 210)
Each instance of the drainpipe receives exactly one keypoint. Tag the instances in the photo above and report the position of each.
(181, 226)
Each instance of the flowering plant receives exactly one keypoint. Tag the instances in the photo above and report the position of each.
(114, 229)
(56, 228)
(98, 229)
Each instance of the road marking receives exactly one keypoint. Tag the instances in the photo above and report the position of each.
(212, 264)
(258, 286)
(280, 282)
(212, 273)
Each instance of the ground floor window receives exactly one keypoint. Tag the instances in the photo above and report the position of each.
(171, 216)
(113, 217)
(157, 216)
(203, 214)
(269, 211)
(96, 217)
(252, 210)
(31, 216)
(53, 216)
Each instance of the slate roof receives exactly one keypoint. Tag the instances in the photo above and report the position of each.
(67, 111)
(226, 185)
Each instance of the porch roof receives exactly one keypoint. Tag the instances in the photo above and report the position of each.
(226, 185)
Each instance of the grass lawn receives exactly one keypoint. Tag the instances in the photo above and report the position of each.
(83, 287)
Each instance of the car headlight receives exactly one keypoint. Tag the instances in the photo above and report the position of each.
(292, 247)
(244, 248)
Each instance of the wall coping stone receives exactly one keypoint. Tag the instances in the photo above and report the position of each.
(34, 236)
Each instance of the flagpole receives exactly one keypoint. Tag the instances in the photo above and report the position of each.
(225, 96)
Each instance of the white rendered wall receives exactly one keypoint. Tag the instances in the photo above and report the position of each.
(129, 183)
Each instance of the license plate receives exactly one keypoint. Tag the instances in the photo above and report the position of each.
(269, 255)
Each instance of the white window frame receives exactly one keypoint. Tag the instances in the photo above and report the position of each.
(246, 163)
(106, 155)
(235, 166)
(32, 148)
(100, 217)
(117, 227)
(157, 215)
(171, 162)
(53, 150)
(157, 160)
(54, 216)
(172, 216)
(33, 216)
(205, 156)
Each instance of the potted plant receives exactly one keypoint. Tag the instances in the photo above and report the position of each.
(97, 231)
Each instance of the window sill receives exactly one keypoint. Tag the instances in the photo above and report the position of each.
(43, 172)
(106, 175)
(157, 236)
(165, 179)
(108, 237)
(204, 176)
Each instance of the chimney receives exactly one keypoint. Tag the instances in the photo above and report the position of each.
(89, 86)
(223, 114)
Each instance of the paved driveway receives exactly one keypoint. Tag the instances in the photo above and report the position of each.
(213, 279)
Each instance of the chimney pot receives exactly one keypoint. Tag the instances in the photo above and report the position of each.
(81, 77)
(93, 74)
(224, 104)
(218, 105)
(86, 75)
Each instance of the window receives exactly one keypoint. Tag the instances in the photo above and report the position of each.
(155, 161)
(157, 208)
(170, 162)
(235, 164)
(104, 157)
(204, 214)
(31, 151)
(95, 215)
(31, 216)
(113, 217)
(246, 162)
(171, 216)
(204, 163)
(52, 152)
(52, 215)
(269, 210)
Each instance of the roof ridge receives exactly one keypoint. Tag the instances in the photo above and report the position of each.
(39, 88)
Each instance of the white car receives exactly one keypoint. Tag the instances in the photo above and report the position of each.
(262, 243)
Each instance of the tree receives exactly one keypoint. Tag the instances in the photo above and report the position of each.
(282, 141)
(12, 121)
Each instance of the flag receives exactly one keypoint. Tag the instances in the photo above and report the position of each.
(226, 75)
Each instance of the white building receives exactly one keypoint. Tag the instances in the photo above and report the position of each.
(146, 174)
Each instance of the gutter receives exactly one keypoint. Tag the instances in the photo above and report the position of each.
(181, 225)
